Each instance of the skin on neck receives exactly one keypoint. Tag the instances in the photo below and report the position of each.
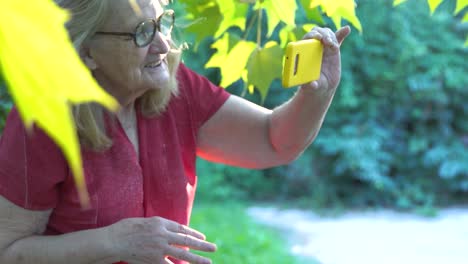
(126, 111)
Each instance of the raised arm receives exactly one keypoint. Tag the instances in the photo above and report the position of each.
(246, 135)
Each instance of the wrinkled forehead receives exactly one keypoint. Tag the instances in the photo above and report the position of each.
(122, 15)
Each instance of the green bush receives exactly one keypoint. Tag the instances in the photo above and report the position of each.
(218, 182)
(396, 134)
(5, 103)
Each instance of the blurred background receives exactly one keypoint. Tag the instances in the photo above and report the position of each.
(395, 137)
(394, 140)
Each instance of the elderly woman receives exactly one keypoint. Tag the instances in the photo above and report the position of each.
(139, 163)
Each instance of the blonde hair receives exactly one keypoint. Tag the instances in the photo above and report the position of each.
(87, 16)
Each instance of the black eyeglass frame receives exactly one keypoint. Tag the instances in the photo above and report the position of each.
(156, 23)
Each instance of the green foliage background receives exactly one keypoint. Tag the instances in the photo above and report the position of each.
(239, 238)
(5, 103)
(396, 134)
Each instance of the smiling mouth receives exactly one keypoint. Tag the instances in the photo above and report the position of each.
(154, 65)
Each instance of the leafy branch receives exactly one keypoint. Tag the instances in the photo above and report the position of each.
(241, 58)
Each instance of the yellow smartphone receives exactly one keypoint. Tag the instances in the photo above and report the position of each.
(302, 63)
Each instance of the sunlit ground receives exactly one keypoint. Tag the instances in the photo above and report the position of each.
(383, 237)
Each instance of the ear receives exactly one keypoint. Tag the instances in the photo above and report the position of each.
(86, 57)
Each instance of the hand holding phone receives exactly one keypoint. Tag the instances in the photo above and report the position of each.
(303, 62)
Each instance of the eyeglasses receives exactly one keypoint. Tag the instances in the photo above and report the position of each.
(146, 30)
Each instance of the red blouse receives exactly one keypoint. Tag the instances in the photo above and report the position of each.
(161, 182)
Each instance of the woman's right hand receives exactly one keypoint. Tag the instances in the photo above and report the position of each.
(152, 240)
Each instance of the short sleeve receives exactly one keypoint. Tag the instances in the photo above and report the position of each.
(205, 98)
(31, 166)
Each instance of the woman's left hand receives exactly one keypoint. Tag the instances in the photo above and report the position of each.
(331, 61)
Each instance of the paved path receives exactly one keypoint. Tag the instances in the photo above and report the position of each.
(382, 237)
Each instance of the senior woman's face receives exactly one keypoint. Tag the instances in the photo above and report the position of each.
(121, 67)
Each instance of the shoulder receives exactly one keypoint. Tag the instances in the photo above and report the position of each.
(184, 73)
(199, 87)
(202, 96)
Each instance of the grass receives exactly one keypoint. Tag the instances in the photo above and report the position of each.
(239, 239)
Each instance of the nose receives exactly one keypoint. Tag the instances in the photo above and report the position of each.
(160, 44)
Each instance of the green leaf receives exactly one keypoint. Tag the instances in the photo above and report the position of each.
(461, 4)
(350, 15)
(312, 13)
(264, 66)
(336, 20)
(279, 10)
(284, 35)
(308, 27)
(465, 20)
(339, 9)
(234, 14)
(48, 77)
(231, 61)
(288, 33)
(397, 2)
(433, 4)
(206, 18)
(331, 7)
(222, 46)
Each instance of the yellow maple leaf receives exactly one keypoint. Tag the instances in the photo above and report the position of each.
(433, 4)
(330, 7)
(45, 75)
(398, 2)
(461, 4)
(339, 9)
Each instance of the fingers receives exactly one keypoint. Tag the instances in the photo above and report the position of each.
(325, 35)
(314, 85)
(191, 242)
(342, 33)
(161, 238)
(182, 235)
(183, 254)
(182, 229)
(178, 228)
(328, 37)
